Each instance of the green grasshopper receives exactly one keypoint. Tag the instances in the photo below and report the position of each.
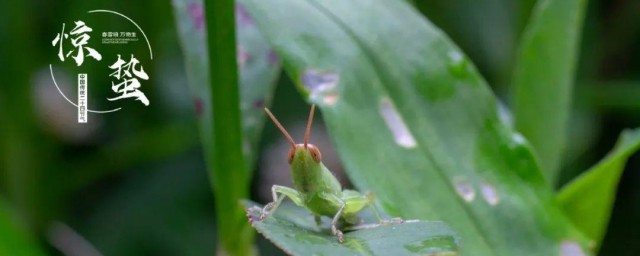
(316, 189)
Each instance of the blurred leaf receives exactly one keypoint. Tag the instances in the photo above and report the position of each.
(224, 109)
(296, 233)
(543, 79)
(415, 123)
(259, 70)
(487, 30)
(133, 150)
(14, 240)
(589, 198)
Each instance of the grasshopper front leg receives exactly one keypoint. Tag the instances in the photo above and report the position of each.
(335, 200)
(293, 194)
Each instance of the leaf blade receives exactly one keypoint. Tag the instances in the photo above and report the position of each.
(543, 78)
(292, 230)
(589, 198)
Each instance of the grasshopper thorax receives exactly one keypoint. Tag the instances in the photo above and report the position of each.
(309, 149)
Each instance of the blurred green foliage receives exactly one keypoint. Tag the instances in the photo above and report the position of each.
(136, 185)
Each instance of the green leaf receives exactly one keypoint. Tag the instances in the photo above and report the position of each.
(543, 78)
(588, 199)
(230, 118)
(294, 231)
(259, 70)
(14, 238)
(414, 122)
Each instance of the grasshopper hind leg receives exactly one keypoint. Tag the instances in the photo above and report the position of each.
(357, 202)
(350, 220)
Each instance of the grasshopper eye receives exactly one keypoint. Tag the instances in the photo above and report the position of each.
(315, 153)
(290, 155)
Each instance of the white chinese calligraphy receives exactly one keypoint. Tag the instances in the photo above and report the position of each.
(79, 42)
(128, 74)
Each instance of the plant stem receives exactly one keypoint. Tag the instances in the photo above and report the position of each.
(228, 173)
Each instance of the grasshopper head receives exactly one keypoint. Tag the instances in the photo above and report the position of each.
(301, 152)
(304, 153)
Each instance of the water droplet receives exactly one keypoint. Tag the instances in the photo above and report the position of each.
(322, 85)
(518, 139)
(457, 63)
(504, 114)
(438, 245)
(489, 194)
(394, 121)
(571, 248)
(464, 189)
(330, 99)
(318, 81)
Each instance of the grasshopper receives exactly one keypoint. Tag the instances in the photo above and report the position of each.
(316, 188)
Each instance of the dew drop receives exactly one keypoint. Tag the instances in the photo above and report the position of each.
(464, 189)
(571, 248)
(330, 99)
(518, 139)
(489, 194)
(394, 121)
(504, 114)
(318, 81)
(321, 85)
(457, 63)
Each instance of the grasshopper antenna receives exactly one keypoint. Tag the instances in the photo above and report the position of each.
(308, 131)
(284, 132)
